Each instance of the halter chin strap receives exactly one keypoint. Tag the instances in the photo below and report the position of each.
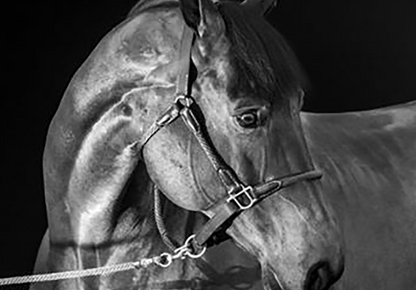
(239, 197)
(244, 198)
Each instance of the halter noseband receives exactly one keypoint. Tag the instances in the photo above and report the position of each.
(239, 197)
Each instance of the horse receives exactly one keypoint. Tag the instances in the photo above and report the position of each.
(186, 118)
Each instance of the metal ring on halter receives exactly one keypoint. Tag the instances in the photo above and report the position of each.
(164, 260)
(187, 249)
(189, 242)
(184, 100)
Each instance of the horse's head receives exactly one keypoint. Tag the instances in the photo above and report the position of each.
(248, 89)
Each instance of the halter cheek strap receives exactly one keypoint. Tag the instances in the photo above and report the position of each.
(239, 197)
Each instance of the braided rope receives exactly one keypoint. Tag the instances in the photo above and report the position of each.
(100, 271)
(160, 224)
(209, 151)
(214, 158)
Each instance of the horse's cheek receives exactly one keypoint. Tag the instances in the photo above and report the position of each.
(177, 164)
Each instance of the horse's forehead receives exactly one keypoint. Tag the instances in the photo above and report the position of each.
(129, 53)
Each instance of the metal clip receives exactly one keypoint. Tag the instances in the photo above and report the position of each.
(164, 260)
(247, 192)
(187, 251)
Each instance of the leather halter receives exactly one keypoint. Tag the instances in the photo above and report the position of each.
(240, 197)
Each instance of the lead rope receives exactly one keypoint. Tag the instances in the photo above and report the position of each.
(163, 260)
(100, 271)
(160, 224)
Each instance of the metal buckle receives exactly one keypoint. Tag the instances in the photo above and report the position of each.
(184, 100)
(168, 116)
(247, 192)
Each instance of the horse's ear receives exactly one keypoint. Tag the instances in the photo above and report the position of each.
(264, 6)
(202, 16)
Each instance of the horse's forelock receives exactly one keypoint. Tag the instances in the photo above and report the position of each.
(260, 54)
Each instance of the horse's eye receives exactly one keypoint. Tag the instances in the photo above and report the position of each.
(248, 119)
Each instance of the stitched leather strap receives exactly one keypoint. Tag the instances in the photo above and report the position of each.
(172, 112)
(182, 84)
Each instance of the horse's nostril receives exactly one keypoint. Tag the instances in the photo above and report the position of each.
(320, 277)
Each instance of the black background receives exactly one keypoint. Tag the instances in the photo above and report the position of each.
(358, 54)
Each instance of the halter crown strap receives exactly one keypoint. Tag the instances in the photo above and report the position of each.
(172, 112)
(184, 61)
